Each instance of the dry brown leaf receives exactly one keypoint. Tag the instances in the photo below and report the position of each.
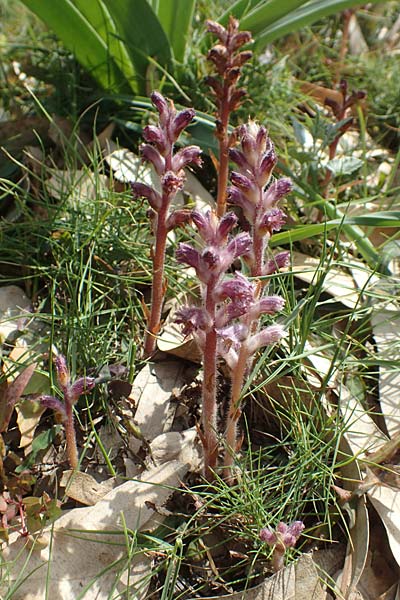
(182, 446)
(298, 581)
(83, 488)
(151, 392)
(28, 417)
(14, 310)
(82, 556)
(386, 327)
(386, 502)
(78, 186)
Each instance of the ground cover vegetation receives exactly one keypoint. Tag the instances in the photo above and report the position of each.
(199, 259)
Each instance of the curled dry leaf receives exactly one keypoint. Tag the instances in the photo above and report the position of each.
(85, 547)
(14, 310)
(83, 488)
(182, 446)
(298, 581)
(151, 392)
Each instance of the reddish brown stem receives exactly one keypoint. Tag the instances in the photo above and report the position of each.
(157, 290)
(223, 171)
(70, 437)
(234, 410)
(209, 413)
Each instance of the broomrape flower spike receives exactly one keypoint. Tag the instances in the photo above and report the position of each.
(225, 323)
(71, 393)
(258, 197)
(169, 167)
(284, 537)
(228, 62)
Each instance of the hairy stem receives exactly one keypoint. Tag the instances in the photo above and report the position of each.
(157, 290)
(209, 414)
(223, 171)
(70, 437)
(234, 409)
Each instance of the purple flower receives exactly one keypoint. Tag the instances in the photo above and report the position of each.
(266, 337)
(193, 319)
(276, 191)
(171, 183)
(181, 121)
(186, 156)
(155, 135)
(212, 230)
(161, 105)
(285, 536)
(142, 190)
(236, 288)
(63, 376)
(81, 386)
(269, 305)
(280, 261)
(150, 154)
(273, 220)
(53, 404)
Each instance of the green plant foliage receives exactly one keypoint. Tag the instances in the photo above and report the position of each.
(118, 40)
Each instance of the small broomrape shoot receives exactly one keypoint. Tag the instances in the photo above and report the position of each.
(71, 393)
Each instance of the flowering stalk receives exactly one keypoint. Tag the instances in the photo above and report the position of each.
(284, 537)
(71, 393)
(169, 166)
(228, 62)
(254, 193)
(223, 325)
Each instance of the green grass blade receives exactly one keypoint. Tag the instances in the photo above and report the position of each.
(97, 14)
(238, 9)
(303, 16)
(268, 13)
(142, 35)
(79, 36)
(176, 17)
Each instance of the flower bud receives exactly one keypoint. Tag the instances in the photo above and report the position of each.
(240, 39)
(150, 154)
(160, 103)
(187, 156)
(142, 190)
(218, 30)
(172, 183)
(268, 306)
(63, 376)
(242, 182)
(266, 337)
(181, 121)
(178, 217)
(155, 135)
(53, 404)
(81, 386)
(266, 167)
(239, 158)
(280, 261)
(226, 224)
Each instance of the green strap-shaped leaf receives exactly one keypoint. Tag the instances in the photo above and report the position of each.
(268, 13)
(176, 17)
(97, 14)
(238, 9)
(140, 31)
(79, 36)
(301, 17)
